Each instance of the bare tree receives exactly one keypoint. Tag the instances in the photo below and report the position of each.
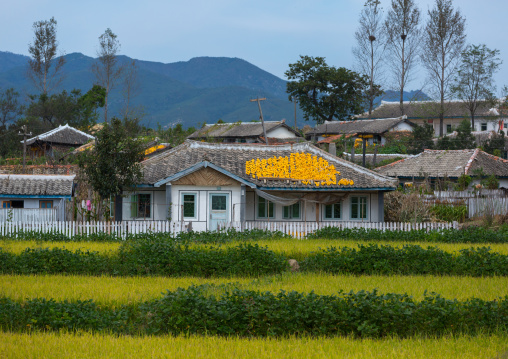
(443, 41)
(44, 68)
(370, 45)
(402, 26)
(106, 69)
(131, 89)
(474, 83)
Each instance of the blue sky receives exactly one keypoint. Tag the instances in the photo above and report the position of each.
(269, 34)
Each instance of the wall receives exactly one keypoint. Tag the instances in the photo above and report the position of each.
(281, 132)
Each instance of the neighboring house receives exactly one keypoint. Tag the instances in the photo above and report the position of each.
(31, 192)
(246, 132)
(447, 165)
(60, 139)
(375, 130)
(209, 183)
(418, 112)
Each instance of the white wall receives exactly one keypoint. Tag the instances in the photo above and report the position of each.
(403, 126)
(33, 202)
(281, 132)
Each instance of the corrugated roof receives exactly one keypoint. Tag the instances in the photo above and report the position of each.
(63, 135)
(36, 185)
(238, 129)
(232, 158)
(450, 163)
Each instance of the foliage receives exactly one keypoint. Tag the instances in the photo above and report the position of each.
(463, 182)
(495, 145)
(474, 83)
(10, 107)
(113, 163)
(449, 212)
(406, 207)
(463, 140)
(491, 182)
(247, 313)
(325, 92)
(44, 68)
(422, 138)
(174, 135)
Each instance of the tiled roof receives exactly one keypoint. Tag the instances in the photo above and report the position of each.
(36, 185)
(426, 109)
(451, 163)
(66, 135)
(232, 158)
(359, 126)
(239, 129)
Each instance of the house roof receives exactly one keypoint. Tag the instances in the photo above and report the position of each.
(426, 109)
(451, 163)
(376, 127)
(239, 129)
(231, 159)
(65, 135)
(36, 185)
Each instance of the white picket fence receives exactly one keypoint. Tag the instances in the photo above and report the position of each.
(29, 215)
(483, 206)
(122, 229)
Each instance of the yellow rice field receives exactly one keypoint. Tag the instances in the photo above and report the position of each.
(122, 290)
(85, 345)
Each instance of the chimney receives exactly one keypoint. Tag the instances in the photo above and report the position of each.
(332, 148)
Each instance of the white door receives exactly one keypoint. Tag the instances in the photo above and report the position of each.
(219, 210)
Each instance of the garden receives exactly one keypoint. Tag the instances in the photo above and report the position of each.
(353, 293)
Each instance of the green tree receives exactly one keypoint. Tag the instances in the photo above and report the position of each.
(463, 140)
(44, 68)
(325, 92)
(175, 135)
(474, 83)
(422, 138)
(113, 163)
(10, 107)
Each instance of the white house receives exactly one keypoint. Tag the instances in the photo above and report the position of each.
(210, 183)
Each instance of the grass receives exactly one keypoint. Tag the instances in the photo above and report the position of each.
(122, 290)
(85, 345)
(291, 248)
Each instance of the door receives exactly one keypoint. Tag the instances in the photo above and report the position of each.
(218, 210)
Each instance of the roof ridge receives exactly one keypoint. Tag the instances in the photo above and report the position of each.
(470, 161)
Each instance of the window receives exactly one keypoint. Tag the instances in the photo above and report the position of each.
(141, 205)
(189, 203)
(358, 207)
(291, 212)
(45, 204)
(265, 208)
(6, 204)
(483, 126)
(448, 128)
(332, 211)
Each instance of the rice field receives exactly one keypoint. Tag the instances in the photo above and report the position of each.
(122, 290)
(85, 345)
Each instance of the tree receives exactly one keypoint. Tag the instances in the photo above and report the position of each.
(422, 138)
(106, 69)
(463, 140)
(325, 92)
(113, 163)
(369, 49)
(44, 68)
(130, 89)
(402, 26)
(443, 41)
(474, 82)
(10, 108)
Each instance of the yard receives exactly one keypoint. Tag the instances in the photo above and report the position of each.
(126, 291)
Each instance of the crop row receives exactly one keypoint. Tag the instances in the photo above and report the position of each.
(254, 313)
(160, 257)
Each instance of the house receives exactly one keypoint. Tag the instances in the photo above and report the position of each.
(246, 132)
(447, 165)
(209, 183)
(58, 140)
(419, 112)
(31, 192)
(374, 130)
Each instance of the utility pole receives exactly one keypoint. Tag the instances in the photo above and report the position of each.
(294, 101)
(258, 100)
(24, 134)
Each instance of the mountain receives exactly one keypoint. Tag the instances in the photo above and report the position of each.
(203, 89)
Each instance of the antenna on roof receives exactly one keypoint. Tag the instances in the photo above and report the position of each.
(24, 134)
(261, 115)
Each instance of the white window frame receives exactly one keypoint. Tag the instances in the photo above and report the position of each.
(332, 218)
(196, 205)
(366, 208)
(267, 209)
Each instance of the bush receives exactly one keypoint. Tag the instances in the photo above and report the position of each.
(449, 212)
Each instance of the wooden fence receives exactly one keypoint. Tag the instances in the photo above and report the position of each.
(29, 215)
(487, 206)
(122, 229)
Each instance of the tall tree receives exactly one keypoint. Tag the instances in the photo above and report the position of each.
(106, 69)
(130, 89)
(474, 83)
(443, 41)
(10, 107)
(44, 67)
(325, 92)
(370, 46)
(402, 26)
